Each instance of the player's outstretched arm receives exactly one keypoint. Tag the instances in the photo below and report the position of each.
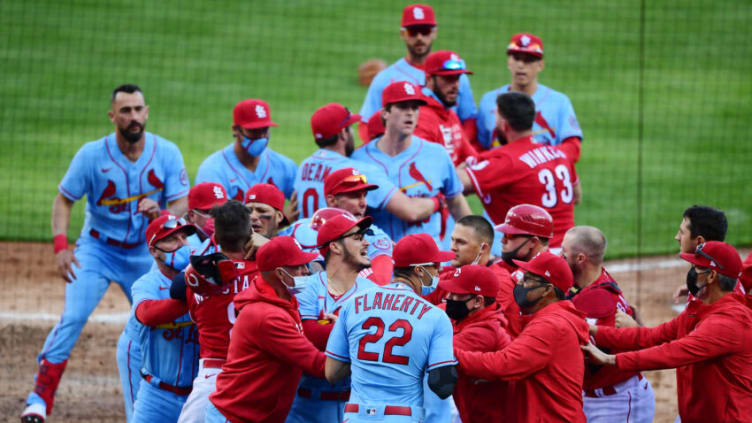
(458, 207)
(292, 212)
(442, 380)
(336, 370)
(410, 209)
(61, 211)
(467, 184)
(178, 207)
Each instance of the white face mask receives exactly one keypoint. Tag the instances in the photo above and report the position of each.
(477, 258)
(299, 283)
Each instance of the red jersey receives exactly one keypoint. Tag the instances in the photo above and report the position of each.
(506, 296)
(268, 353)
(525, 172)
(215, 315)
(711, 348)
(599, 301)
(442, 126)
(545, 361)
(477, 399)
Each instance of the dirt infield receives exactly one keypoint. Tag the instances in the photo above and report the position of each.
(33, 297)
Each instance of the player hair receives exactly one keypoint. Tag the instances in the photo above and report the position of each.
(706, 221)
(590, 241)
(125, 88)
(232, 225)
(328, 142)
(403, 272)
(726, 283)
(487, 301)
(518, 109)
(480, 225)
(559, 293)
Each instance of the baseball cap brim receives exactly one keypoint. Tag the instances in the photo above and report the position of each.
(442, 256)
(187, 229)
(509, 229)
(257, 125)
(447, 72)
(353, 118)
(452, 286)
(696, 259)
(355, 188)
(300, 258)
(525, 51)
(526, 266)
(417, 97)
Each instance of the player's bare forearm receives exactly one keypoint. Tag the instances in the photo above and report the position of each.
(458, 207)
(410, 209)
(291, 210)
(336, 370)
(61, 211)
(467, 184)
(577, 193)
(178, 207)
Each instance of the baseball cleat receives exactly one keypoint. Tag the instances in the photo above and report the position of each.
(34, 413)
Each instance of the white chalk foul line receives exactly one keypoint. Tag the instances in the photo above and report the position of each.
(113, 318)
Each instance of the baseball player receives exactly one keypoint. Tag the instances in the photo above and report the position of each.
(555, 122)
(437, 122)
(523, 171)
(342, 242)
(168, 338)
(478, 326)
(249, 160)
(389, 338)
(418, 31)
(419, 168)
(545, 360)
(609, 395)
(127, 176)
(331, 131)
(709, 343)
(268, 351)
(212, 284)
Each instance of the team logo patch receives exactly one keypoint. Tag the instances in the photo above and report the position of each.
(409, 88)
(477, 288)
(382, 244)
(252, 197)
(418, 13)
(371, 411)
(457, 272)
(548, 274)
(260, 111)
(218, 194)
(487, 199)
(524, 41)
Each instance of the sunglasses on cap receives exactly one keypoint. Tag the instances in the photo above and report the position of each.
(423, 30)
(356, 178)
(173, 223)
(344, 121)
(364, 231)
(707, 256)
(453, 64)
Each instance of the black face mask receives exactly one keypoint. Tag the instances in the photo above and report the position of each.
(692, 282)
(457, 310)
(520, 296)
(508, 256)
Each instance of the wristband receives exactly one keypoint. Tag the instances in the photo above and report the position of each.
(436, 204)
(60, 242)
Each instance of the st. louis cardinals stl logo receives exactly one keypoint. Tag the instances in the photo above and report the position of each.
(117, 205)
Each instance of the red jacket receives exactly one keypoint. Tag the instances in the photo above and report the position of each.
(479, 400)
(711, 348)
(442, 126)
(506, 296)
(268, 353)
(545, 360)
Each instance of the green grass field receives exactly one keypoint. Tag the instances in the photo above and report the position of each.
(195, 60)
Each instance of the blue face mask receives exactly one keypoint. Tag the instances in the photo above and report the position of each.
(179, 259)
(425, 290)
(254, 147)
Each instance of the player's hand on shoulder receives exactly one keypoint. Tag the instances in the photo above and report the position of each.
(149, 208)
(65, 260)
(624, 320)
(291, 210)
(597, 356)
(330, 317)
(253, 244)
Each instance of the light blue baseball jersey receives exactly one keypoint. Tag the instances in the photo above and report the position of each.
(403, 71)
(555, 120)
(309, 184)
(224, 167)
(379, 242)
(170, 352)
(313, 302)
(114, 185)
(391, 337)
(424, 169)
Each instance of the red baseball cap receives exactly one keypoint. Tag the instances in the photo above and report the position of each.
(417, 249)
(375, 126)
(252, 114)
(418, 14)
(320, 216)
(550, 267)
(527, 219)
(445, 62)
(328, 120)
(282, 251)
(718, 256)
(337, 226)
(472, 279)
(267, 194)
(346, 180)
(397, 92)
(206, 195)
(164, 226)
(526, 43)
